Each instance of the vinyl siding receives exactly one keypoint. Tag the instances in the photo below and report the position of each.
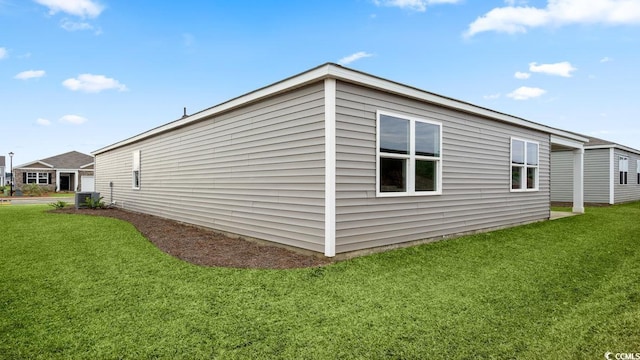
(562, 176)
(476, 175)
(631, 190)
(256, 171)
(596, 176)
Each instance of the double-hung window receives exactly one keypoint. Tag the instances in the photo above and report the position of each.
(37, 178)
(32, 178)
(623, 169)
(136, 170)
(43, 178)
(638, 170)
(524, 165)
(409, 159)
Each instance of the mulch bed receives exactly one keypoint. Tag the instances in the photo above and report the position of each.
(206, 247)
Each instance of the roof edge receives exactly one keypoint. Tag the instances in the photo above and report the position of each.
(332, 70)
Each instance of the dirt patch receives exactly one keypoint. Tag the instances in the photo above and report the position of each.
(206, 247)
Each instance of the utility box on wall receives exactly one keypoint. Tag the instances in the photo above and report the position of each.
(81, 198)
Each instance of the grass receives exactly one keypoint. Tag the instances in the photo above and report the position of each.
(87, 287)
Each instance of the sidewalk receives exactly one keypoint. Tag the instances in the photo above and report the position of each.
(27, 200)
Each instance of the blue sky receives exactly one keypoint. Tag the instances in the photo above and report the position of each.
(83, 74)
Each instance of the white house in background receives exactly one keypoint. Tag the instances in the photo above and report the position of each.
(611, 173)
(335, 160)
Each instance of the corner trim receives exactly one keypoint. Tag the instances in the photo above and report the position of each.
(330, 167)
(612, 177)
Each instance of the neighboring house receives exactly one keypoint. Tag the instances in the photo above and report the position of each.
(335, 160)
(611, 173)
(3, 179)
(71, 171)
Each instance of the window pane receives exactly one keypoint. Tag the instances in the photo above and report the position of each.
(394, 135)
(517, 152)
(427, 139)
(516, 177)
(532, 154)
(426, 175)
(393, 175)
(136, 179)
(531, 178)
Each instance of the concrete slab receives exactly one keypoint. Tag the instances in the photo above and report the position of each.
(561, 214)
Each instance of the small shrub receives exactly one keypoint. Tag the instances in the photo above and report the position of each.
(58, 204)
(95, 203)
(32, 189)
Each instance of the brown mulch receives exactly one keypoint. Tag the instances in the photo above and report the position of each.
(206, 247)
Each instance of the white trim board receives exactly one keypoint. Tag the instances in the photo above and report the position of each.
(330, 167)
(338, 72)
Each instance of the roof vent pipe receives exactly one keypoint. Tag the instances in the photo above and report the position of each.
(184, 115)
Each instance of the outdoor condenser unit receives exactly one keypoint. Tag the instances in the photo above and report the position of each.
(81, 198)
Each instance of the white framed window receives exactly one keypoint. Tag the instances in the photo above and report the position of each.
(135, 173)
(623, 169)
(525, 172)
(37, 178)
(43, 178)
(638, 170)
(409, 156)
(32, 178)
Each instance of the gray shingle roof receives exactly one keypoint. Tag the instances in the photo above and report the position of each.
(69, 160)
(2, 163)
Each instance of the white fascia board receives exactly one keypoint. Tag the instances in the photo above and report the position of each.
(26, 165)
(87, 165)
(284, 85)
(32, 169)
(614, 146)
(555, 139)
(405, 90)
(331, 70)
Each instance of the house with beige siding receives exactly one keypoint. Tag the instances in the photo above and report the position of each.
(71, 171)
(335, 160)
(611, 173)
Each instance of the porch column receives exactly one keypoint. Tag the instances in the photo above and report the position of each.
(57, 180)
(578, 181)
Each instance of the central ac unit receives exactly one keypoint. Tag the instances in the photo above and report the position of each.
(81, 198)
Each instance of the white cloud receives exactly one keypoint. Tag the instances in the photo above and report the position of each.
(29, 74)
(43, 122)
(81, 8)
(606, 59)
(563, 69)
(518, 19)
(521, 75)
(93, 83)
(525, 93)
(75, 26)
(73, 119)
(492, 96)
(415, 5)
(3, 53)
(353, 57)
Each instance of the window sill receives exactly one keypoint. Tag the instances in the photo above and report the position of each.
(405, 194)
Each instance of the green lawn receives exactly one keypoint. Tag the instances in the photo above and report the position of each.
(85, 287)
